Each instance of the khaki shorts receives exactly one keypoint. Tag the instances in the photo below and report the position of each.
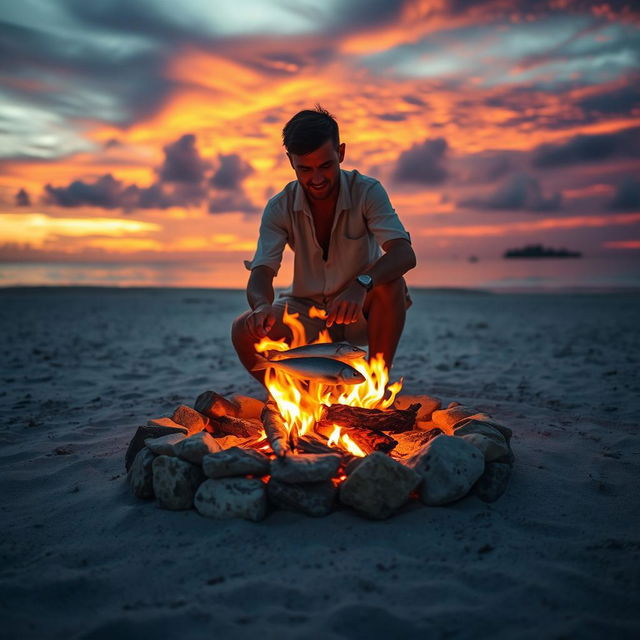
(354, 333)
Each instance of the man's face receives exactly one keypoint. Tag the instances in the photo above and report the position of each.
(318, 172)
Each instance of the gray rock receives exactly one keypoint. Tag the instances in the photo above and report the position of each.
(175, 482)
(164, 446)
(493, 482)
(378, 486)
(447, 418)
(225, 498)
(213, 405)
(484, 436)
(449, 467)
(195, 447)
(488, 420)
(311, 498)
(141, 434)
(235, 462)
(411, 441)
(166, 422)
(193, 420)
(306, 467)
(140, 474)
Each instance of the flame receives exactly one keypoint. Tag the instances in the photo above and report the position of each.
(300, 403)
(347, 443)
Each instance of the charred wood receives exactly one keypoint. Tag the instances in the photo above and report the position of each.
(275, 429)
(394, 420)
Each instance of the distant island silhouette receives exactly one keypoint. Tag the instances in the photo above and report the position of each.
(538, 251)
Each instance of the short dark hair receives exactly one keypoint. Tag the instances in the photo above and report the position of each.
(310, 129)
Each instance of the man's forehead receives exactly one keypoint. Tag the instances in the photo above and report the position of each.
(322, 154)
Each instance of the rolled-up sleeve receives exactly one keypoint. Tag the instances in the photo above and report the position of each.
(272, 240)
(382, 219)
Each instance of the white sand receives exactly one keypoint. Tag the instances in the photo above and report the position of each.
(558, 556)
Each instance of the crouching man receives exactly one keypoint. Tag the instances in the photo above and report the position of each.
(351, 251)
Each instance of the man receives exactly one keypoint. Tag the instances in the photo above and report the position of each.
(335, 221)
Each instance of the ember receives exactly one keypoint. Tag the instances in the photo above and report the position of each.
(313, 444)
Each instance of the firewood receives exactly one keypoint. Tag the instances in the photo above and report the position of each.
(275, 429)
(394, 420)
(367, 439)
(213, 405)
(312, 443)
(230, 426)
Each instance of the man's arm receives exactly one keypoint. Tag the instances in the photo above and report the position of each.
(398, 258)
(260, 297)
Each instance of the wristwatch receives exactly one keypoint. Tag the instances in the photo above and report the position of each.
(365, 281)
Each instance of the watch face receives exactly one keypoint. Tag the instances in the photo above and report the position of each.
(365, 281)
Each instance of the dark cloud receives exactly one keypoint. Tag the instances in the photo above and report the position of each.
(22, 198)
(627, 196)
(106, 192)
(621, 101)
(392, 117)
(231, 201)
(424, 163)
(415, 100)
(487, 167)
(231, 172)
(519, 193)
(589, 148)
(182, 162)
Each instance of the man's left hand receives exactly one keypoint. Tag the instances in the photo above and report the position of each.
(346, 307)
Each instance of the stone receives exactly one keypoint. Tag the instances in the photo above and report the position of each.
(235, 462)
(226, 442)
(141, 434)
(449, 467)
(378, 486)
(213, 405)
(488, 420)
(493, 482)
(193, 420)
(311, 498)
(484, 436)
(175, 482)
(428, 405)
(410, 441)
(447, 418)
(166, 422)
(248, 407)
(195, 447)
(305, 467)
(164, 446)
(140, 474)
(225, 498)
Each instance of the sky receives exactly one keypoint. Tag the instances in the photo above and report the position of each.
(149, 132)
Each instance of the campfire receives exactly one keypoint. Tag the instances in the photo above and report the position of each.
(314, 445)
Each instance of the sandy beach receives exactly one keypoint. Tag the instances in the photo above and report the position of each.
(557, 556)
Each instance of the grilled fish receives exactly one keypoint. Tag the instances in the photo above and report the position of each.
(325, 370)
(336, 350)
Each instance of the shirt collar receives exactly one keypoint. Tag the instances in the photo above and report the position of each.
(344, 197)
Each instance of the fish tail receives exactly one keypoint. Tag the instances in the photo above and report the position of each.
(261, 364)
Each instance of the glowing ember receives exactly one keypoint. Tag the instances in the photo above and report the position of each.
(300, 403)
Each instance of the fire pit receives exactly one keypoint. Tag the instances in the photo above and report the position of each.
(313, 446)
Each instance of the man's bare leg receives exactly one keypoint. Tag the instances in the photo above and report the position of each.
(244, 343)
(385, 310)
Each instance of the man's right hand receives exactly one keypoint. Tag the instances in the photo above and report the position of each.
(261, 320)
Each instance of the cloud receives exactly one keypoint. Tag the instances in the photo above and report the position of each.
(423, 163)
(232, 201)
(627, 195)
(521, 192)
(620, 101)
(589, 148)
(231, 172)
(23, 199)
(182, 162)
(106, 192)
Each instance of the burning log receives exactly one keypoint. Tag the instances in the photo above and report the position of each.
(367, 440)
(230, 426)
(394, 420)
(276, 431)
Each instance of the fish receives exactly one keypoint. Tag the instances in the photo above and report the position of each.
(325, 370)
(336, 350)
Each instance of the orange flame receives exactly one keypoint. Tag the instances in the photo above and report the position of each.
(300, 403)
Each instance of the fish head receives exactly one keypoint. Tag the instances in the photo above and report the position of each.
(346, 350)
(350, 375)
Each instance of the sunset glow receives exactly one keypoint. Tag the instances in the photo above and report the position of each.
(489, 127)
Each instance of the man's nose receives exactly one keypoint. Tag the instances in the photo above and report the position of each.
(317, 177)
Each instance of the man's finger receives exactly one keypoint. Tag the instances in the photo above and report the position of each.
(268, 323)
(343, 309)
(331, 314)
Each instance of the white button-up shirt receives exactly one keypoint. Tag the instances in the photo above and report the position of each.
(364, 220)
